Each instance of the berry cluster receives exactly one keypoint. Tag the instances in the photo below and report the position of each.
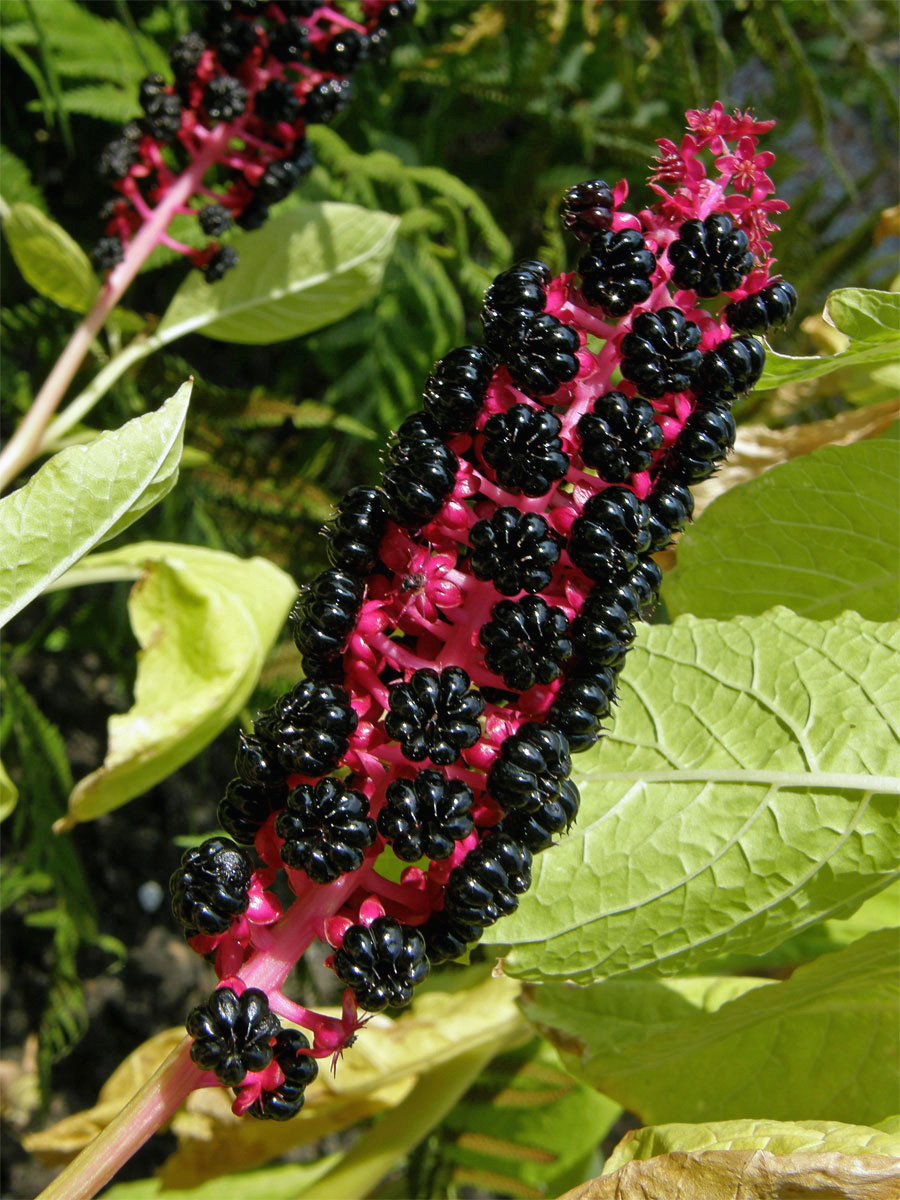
(468, 636)
(230, 131)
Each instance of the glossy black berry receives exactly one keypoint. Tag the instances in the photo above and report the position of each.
(421, 472)
(426, 816)
(326, 829)
(706, 439)
(280, 178)
(162, 110)
(533, 763)
(710, 256)
(730, 370)
(381, 963)
(246, 807)
(221, 262)
(581, 704)
(772, 305)
(671, 506)
(232, 1034)
(526, 642)
(211, 886)
(487, 884)
(524, 448)
(609, 535)
(256, 762)
(325, 615)
(322, 103)
(253, 216)
(454, 391)
(340, 55)
(117, 158)
(356, 531)
(233, 40)
(447, 938)
(602, 632)
(615, 272)
(661, 353)
(299, 1070)
(309, 728)
(185, 55)
(289, 41)
(636, 593)
(516, 551)
(536, 830)
(107, 253)
(542, 358)
(434, 715)
(214, 220)
(515, 296)
(224, 98)
(276, 102)
(619, 436)
(587, 209)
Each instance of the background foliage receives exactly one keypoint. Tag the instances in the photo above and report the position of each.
(453, 159)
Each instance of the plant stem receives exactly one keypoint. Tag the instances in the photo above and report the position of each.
(25, 441)
(158, 1100)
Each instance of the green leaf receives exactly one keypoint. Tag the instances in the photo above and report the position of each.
(304, 269)
(526, 1128)
(205, 621)
(777, 1137)
(85, 495)
(871, 322)
(821, 1046)
(9, 794)
(16, 182)
(748, 790)
(819, 534)
(272, 1183)
(49, 259)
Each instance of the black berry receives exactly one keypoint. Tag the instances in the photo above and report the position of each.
(772, 305)
(487, 884)
(211, 886)
(535, 830)
(515, 296)
(607, 538)
(224, 98)
(381, 963)
(323, 102)
(357, 529)
(289, 41)
(421, 472)
(223, 260)
(706, 438)
(326, 829)
(671, 506)
(615, 272)
(661, 353)
(185, 56)
(107, 253)
(619, 436)
(309, 728)
(580, 705)
(426, 816)
(276, 102)
(516, 551)
(587, 209)
(524, 448)
(232, 1034)
(325, 615)
(526, 642)
(730, 370)
(543, 357)
(533, 763)
(454, 391)
(162, 110)
(710, 256)
(299, 1070)
(214, 220)
(246, 807)
(435, 715)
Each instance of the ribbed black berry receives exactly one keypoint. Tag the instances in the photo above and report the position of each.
(587, 209)
(454, 391)
(434, 715)
(117, 158)
(288, 42)
(602, 632)
(516, 551)
(276, 102)
(730, 370)
(107, 253)
(487, 884)
(524, 448)
(710, 256)
(309, 728)
(211, 886)
(533, 763)
(256, 762)
(246, 807)
(323, 102)
(221, 262)
(340, 55)
(536, 830)
(185, 55)
(447, 938)
(381, 963)
(661, 353)
(233, 41)
(426, 816)
(543, 356)
(224, 98)
(299, 1070)
(526, 642)
(609, 535)
(162, 111)
(636, 593)
(214, 220)
(254, 216)
(580, 705)
(515, 296)
(772, 305)
(232, 1034)
(706, 439)
(615, 272)
(619, 436)
(280, 178)
(421, 472)
(325, 614)
(357, 529)
(671, 506)
(326, 829)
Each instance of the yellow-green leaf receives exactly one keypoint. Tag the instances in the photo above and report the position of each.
(51, 261)
(9, 794)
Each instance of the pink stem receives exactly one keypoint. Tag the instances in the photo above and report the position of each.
(25, 441)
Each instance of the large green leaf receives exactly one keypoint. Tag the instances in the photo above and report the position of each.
(778, 1137)
(871, 322)
(205, 621)
(821, 1046)
(819, 534)
(85, 495)
(51, 261)
(304, 269)
(748, 789)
